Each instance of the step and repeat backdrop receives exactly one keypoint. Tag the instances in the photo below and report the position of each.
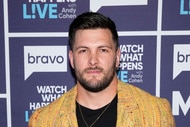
(154, 38)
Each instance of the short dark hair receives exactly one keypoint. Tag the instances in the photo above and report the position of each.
(92, 20)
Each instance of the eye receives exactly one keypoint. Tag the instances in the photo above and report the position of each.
(82, 51)
(104, 50)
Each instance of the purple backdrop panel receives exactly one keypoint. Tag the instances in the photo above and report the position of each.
(133, 17)
(30, 16)
(175, 67)
(40, 86)
(3, 112)
(138, 62)
(176, 15)
(2, 51)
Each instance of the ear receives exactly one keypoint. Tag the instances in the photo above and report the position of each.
(71, 58)
(118, 54)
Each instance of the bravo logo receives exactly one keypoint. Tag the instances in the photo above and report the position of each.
(44, 59)
(96, 4)
(181, 61)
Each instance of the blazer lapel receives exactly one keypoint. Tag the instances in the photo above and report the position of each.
(68, 110)
(125, 107)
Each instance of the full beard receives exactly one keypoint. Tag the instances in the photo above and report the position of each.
(95, 85)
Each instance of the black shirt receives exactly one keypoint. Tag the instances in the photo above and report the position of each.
(107, 119)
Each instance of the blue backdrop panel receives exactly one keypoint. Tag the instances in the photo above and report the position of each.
(175, 15)
(40, 87)
(2, 51)
(138, 61)
(135, 17)
(176, 88)
(37, 16)
(3, 112)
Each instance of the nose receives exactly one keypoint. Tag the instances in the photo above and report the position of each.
(93, 59)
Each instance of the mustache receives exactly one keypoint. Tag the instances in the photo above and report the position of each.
(94, 68)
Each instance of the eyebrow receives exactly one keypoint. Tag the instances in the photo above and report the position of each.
(102, 46)
(79, 47)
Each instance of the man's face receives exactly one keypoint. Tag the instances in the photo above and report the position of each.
(94, 58)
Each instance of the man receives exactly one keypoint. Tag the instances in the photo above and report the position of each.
(99, 99)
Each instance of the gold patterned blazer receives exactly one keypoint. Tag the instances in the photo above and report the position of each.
(135, 108)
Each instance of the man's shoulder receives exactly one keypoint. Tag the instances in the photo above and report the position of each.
(143, 98)
(63, 101)
(138, 93)
(65, 97)
(146, 104)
